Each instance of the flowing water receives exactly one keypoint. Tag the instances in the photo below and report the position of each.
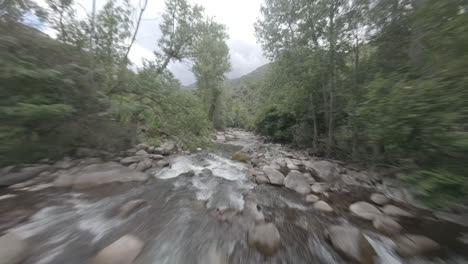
(199, 219)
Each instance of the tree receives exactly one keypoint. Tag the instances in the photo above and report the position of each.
(211, 62)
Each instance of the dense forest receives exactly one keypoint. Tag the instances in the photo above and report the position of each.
(376, 82)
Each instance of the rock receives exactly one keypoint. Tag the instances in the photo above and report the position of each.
(365, 210)
(323, 206)
(297, 182)
(386, 225)
(320, 187)
(350, 242)
(261, 179)
(214, 255)
(13, 177)
(141, 153)
(463, 239)
(189, 173)
(199, 149)
(97, 174)
(168, 148)
(265, 238)
(309, 178)
(150, 149)
(241, 156)
(144, 165)
(13, 250)
(392, 210)
(133, 166)
(379, 199)
(461, 220)
(158, 151)
(230, 137)
(311, 198)
(275, 177)
(64, 164)
(130, 160)
(156, 157)
(130, 207)
(123, 251)
(291, 166)
(207, 172)
(325, 170)
(142, 147)
(7, 196)
(414, 245)
(162, 164)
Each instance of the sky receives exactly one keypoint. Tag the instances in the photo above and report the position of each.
(238, 16)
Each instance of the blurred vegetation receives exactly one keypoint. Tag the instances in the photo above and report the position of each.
(376, 82)
(78, 90)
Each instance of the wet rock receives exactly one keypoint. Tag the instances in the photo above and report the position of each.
(169, 147)
(379, 199)
(350, 242)
(325, 170)
(323, 206)
(297, 182)
(130, 207)
(392, 210)
(207, 172)
(130, 160)
(66, 163)
(97, 174)
(142, 147)
(414, 245)
(311, 198)
(144, 165)
(365, 210)
(156, 157)
(123, 251)
(241, 156)
(13, 249)
(189, 173)
(261, 179)
(320, 187)
(461, 220)
(275, 177)
(386, 225)
(141, 153)
(265, 238)
(16, 176)
(162, 164)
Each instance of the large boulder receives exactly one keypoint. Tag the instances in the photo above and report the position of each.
(275, 177)
(168, 148)
(325, 170)
(386, 225)
(414, 245)
(97, 174)
(365, 210)
(379, 199)
(130, 160)
(144, 165)
(265, 238)
(13, 176)
(123, 251)
(13, 250)
(392, 210)
(298, 182)
(350, 242)
(323, 206)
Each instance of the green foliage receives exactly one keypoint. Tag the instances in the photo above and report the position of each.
(278, 124)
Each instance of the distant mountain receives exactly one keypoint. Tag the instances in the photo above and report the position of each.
(249, 78)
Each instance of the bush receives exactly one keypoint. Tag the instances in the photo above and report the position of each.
(277, 124)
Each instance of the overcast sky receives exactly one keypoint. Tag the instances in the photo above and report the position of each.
(238, 16)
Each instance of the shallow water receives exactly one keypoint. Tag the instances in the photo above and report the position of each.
(199, 219)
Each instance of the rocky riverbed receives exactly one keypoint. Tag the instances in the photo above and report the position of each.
(240, 201)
